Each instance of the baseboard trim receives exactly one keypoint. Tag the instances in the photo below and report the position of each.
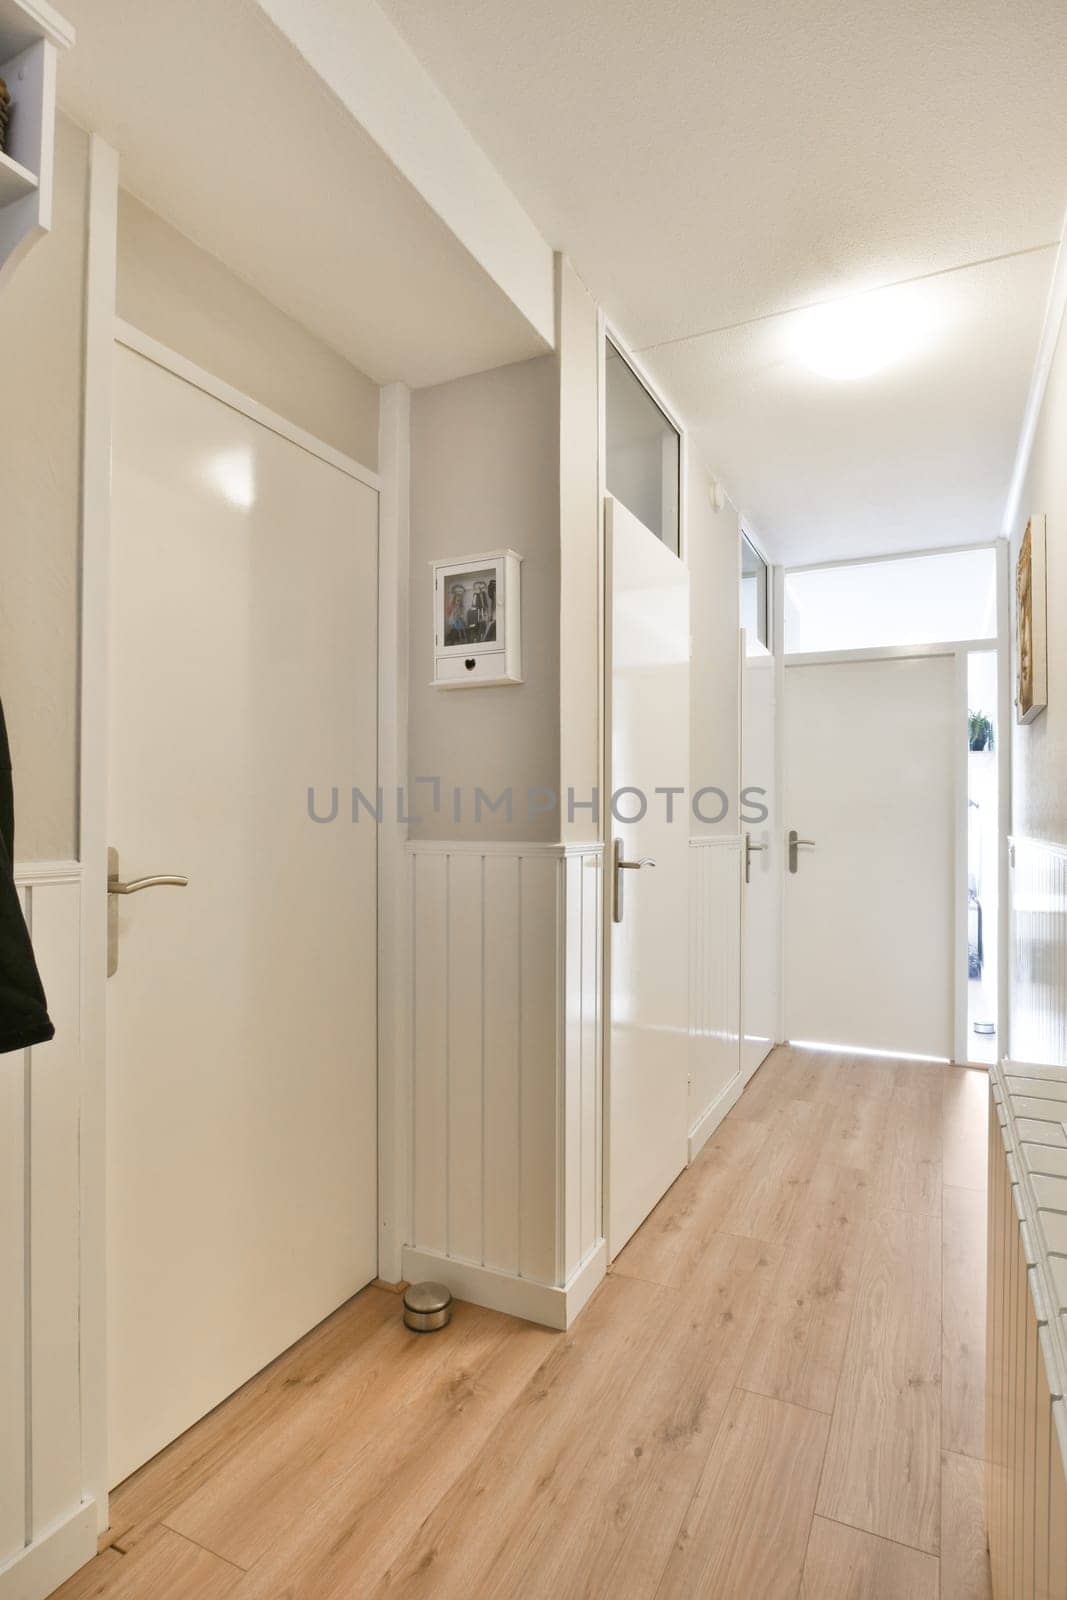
(39, 1569)
(551, 1306)
(709, 1120)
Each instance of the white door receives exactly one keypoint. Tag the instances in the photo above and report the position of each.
(242, 1016)
(648, 676)
(761, 867)
(870, 767)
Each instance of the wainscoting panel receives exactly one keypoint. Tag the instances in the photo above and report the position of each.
(505, 1072)
(714, 983)
(582, 886)
(46, 1528)
(1038, 961)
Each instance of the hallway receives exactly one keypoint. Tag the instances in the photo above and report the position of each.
(777, 1392)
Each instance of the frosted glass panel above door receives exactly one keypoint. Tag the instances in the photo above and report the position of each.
(866, 605)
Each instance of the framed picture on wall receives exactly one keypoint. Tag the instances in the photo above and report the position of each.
(477, 617)
(1031, 687)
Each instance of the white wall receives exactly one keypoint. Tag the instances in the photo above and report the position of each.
(1039, 748)
(580, 534)
(485, 476)
(713, 555)
(1037, 903)
(187, 299)
(715, 867)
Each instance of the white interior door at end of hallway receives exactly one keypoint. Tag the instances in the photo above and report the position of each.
(648, 685)
(870, 774)
(241, 1074)
(761, 874)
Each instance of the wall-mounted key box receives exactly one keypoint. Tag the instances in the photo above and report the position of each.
(476, 619)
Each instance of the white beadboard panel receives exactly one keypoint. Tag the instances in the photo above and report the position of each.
(55, 913)
(47, 1521)
(588, 866)
(503, 1053)
(505, 1069)
(430, 1033)
(715, 982)
(466, 1055)
(14, 1084)
(539, 957)
(1038, 918)
(580, 1128)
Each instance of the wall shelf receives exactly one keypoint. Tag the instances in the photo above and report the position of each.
(15, 180)
(32, 35)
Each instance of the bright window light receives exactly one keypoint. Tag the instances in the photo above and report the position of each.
(862, 1050)
(848, 339)
(913, 600)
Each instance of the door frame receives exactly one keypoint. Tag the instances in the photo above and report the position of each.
(773, 649)
(959, 650)
(103, 330)
(608, 333)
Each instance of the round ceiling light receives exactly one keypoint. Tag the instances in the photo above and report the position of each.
(853, 338)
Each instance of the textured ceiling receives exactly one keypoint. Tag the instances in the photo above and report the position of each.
(225, 130)
(917, 455)
(708, 164)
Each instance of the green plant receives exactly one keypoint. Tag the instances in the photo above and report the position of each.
(980, 729)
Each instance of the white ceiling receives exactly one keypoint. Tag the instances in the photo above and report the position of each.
(917, 456)
(224, 129)
(709, 164)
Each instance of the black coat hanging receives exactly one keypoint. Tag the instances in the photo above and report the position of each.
(24, 1018)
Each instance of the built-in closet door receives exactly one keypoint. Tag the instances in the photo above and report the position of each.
(241, 1111)
(648, 866)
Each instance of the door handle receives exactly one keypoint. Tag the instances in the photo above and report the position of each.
(115, 887)
(749, 848)
(796, 843)
(619, 866)
(137, 884)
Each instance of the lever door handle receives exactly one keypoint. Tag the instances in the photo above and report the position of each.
(116, 886)
(749, 848)
(796, 843)
(618, 867)
(135, 885)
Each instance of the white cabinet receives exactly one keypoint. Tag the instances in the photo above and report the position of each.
(477, 621)
(31, 37)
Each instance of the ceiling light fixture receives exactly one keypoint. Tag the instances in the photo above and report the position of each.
(852, 338)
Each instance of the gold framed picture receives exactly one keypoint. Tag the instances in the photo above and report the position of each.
(1031, 680)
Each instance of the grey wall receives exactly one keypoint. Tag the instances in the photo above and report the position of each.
(42, 337)
(170, 288)
(1039, 748)
(485, 476)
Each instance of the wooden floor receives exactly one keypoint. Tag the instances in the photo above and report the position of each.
(776, 1393)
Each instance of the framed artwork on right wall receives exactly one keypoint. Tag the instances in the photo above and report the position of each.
(1031, 678)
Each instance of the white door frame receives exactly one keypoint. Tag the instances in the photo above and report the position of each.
(103, 331)
(774, 650)
(959, 649)
(607, 333)
(958, 653)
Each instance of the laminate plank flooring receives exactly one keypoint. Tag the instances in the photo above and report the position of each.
(777, 1391)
